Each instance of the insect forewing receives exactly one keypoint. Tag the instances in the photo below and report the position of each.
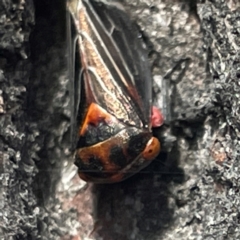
(73, 74)
(113, 60)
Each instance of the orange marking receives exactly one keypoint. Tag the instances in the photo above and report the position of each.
(117, 177)
(152, 149)
(84, 177)
(102, 151)
(94, 114)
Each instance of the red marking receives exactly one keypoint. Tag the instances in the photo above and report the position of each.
(157, 118)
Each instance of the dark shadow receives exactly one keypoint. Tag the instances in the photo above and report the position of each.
(44, 107)
(138, 208)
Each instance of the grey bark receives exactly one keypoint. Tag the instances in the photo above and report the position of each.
(191, 191)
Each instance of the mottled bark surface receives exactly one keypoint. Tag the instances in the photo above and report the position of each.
(191, 191)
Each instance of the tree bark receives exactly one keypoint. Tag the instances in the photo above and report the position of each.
(191, 191)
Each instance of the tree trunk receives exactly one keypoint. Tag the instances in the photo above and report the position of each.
(191, 191)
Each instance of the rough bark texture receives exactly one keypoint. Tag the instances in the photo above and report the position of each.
(191, 191)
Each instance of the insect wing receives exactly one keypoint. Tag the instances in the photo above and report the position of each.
(114, 62)
(76, 90)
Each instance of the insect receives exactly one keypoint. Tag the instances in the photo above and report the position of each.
(114, 101)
